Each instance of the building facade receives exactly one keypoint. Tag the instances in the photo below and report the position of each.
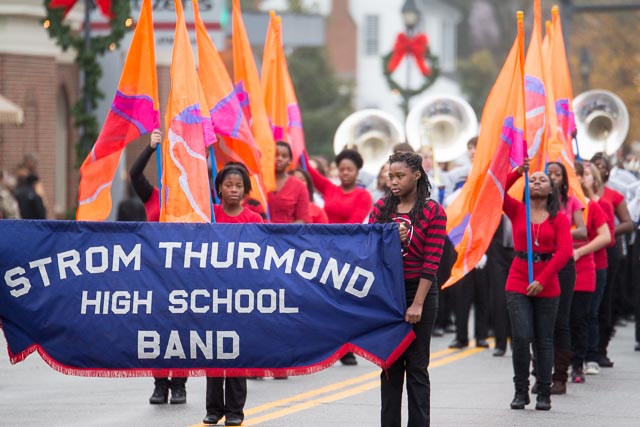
(42, 80)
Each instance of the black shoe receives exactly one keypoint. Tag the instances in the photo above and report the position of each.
(498, 352)
(458, 344)
(437, 332)
(348, 360)
(605, 362)
(233, 421)
(637, 348)
(160, 395)
(178, 396)
(534, 389)
(543, 403)
(482, 343)
(449, 329)
(211, 419)
(520, 401)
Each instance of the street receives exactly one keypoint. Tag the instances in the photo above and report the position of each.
(469, 387)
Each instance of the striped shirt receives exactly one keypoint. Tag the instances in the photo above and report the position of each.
(422, 254)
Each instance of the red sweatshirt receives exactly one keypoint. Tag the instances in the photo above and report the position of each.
(553, 236)
(340, 207)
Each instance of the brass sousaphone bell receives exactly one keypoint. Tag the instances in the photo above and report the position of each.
(373, 133)
(443, 122)
(602, 122)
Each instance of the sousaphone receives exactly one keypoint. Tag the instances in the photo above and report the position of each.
(371, 132)
(445, 123)
(602, 122)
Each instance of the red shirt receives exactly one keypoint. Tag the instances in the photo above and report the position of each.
(247, 215)
(317, 214)
(586, 266)
(601, 255)
(615, 198)
(152, 206)
(342, 208)
(290, 203)
(572, 205)
(553, 236)
(612, 196)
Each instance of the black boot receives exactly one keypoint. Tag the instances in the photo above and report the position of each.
(561, 361)
(349, 359)
(160, 392)
(178, 391)
(543, 400)
(520, 400)
(521, 397)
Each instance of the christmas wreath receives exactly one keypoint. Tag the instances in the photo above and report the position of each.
(418, 48)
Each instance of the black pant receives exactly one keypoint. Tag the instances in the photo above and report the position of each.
(472, 289)
(499, 259)
(532, 321)
(173, 383)
(414, 362)
(580, 309)
(226, 396)
(605, 330)
(562, 331)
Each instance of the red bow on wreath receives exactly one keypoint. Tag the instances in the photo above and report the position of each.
(415, 46)
(104, 5)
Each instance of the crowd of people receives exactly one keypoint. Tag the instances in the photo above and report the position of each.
(585, 262)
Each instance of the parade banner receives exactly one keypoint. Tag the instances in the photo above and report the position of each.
(174, 299)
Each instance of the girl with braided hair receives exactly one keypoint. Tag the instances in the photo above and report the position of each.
(422, 225)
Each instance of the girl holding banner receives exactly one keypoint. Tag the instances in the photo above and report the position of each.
(226, 396)
(532, 305)
(422, 233)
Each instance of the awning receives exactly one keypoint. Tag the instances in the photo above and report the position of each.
(10, 113)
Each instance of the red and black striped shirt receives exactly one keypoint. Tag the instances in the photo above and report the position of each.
(422, 254)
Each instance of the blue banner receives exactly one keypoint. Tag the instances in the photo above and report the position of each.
(138, 299)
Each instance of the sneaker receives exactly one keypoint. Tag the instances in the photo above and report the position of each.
(577, 376)
(592, 368)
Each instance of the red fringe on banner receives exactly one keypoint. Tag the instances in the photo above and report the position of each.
(214, 372)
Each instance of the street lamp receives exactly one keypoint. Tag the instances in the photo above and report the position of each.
(586, 66)
(410, 44)
(410, 15)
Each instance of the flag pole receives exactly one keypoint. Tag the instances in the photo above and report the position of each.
(159, 164)
(214, 174)
(527, 201)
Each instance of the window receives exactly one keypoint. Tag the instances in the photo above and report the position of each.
(371, 24)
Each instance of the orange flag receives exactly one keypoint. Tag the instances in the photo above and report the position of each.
(251, 96)
(535, 94)
(235, 141)
(475, 214)
(559, 99)
(135, 111)
(279, 94)
(186, 196)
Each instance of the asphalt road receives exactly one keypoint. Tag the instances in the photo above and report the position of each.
(469, 388)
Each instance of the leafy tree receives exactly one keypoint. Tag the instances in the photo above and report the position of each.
(323, 100)
(476, 73)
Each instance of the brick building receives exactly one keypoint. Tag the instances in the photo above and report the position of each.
(43, 81)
